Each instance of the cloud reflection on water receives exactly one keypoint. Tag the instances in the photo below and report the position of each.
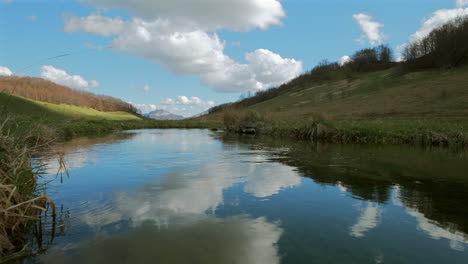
(199, 239)
(369, 219)
(172, 220)
(198, 193)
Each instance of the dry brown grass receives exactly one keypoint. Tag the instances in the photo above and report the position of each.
(232, 117)
(46, 91)
(19, 202)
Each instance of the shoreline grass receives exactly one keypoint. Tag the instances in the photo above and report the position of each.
(20, 201)
(447, 132)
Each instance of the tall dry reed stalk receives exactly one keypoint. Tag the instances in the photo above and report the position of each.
(19, 202)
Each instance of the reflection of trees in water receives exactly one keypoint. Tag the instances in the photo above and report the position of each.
(432, 182)
(443, 203)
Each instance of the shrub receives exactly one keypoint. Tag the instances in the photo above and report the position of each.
(252, 116)
(371, 59)
(232, 117)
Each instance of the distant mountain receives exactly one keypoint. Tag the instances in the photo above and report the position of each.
(160, 114)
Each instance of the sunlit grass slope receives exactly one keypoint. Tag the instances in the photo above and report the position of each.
(15, 105)
(429, 94)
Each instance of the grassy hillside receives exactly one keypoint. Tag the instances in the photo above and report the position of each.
(10, 104)
(27, 117)
(429, 107)
(46, 91)
(382, 94)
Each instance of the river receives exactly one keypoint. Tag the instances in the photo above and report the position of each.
(200, 196)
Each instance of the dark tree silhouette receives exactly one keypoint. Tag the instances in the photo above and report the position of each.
(444, 47)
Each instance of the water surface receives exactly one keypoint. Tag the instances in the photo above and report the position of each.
(197, 196)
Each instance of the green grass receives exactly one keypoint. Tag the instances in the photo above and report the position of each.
(452, 132)
(23, 106)
(377, 107)
(429, 94)
(46, 120)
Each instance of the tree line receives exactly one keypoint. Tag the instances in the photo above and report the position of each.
(444, 47)
(50, 92)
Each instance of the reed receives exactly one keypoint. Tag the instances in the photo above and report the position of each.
(20, 204)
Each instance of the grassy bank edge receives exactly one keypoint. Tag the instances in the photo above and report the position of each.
(413, 132)
(20, 200)
(445, 132)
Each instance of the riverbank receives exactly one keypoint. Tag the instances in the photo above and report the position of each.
(428, 132)
(446, 132)
(20, 200)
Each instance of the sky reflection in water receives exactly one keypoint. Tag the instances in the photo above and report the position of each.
(194, 196)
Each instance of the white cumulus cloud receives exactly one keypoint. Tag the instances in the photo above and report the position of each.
(190, 101)
(241, 15)
(372, 30)
(271, 69)
(63, 78)
(93, 84)
(180, 51)
(265, 69)
(344, 60)
(192, 51)
(436, 20)
(181, 105)
(461, 3)
(4, 71)
(94, 24)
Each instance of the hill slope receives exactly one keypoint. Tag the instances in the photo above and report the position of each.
(46, 91)
(15, 105)
(428, 94)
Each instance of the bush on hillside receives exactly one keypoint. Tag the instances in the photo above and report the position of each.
(371, 59)
(231, 117)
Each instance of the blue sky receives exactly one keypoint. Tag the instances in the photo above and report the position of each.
(283, 38)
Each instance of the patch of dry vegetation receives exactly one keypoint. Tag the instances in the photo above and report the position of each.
(19, 202)
(49, 92)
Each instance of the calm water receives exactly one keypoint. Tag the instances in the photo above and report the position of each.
(197, 196)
